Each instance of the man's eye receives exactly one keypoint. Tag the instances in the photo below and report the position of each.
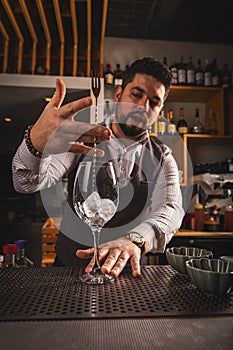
(136, 95)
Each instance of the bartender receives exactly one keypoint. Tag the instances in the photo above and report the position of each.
(154, 212)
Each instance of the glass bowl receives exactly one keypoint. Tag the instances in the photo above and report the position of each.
(177, 256)
(214, 276)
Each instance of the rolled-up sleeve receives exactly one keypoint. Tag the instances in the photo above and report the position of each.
(165, 214)
(31, 174)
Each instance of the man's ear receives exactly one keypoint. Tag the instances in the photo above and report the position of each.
(117, 94)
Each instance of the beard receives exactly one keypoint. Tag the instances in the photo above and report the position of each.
(134, 124)
(131, 130)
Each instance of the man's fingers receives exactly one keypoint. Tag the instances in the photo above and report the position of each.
(86, 132)
(85, 254)
(82, 149)
(135, 265)
(114, 259)
(71, 108)
(90, 266)
(102, 253)
(101, 133)
(59, 94)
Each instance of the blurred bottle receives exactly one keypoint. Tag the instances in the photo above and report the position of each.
(198, 127)
(216, 74)
(181, 72)
(199, 217)
(228, 219)
(9, 251)
(212, 219)
(211, 127)
(118, 74)
(151, 128)
(108, 75)
(182, 126)
(21, 258)
(174, 71)
(162, 123)
(1, 260)
(126, 68)
(107, 110)
(199, 74)
(190, 72)
(171, 126)
(41, 70)
(226, 76)
(207, 74)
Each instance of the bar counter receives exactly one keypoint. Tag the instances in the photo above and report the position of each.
(49, 308)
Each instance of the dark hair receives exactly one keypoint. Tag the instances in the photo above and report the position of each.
(149, 66)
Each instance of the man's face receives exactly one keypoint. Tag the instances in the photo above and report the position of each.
(140, 104)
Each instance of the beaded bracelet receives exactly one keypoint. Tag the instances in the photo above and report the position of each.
(29, 144)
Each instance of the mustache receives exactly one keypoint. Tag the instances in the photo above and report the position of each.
(138, 115)
(139, 112)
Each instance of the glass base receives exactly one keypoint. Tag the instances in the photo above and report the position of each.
(96, 278)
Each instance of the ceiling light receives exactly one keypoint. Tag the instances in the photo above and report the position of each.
(48, 99)
(7, 119)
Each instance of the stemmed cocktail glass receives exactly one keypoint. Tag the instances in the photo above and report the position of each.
(95, 200)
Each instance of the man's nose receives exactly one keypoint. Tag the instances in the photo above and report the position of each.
(145, 104)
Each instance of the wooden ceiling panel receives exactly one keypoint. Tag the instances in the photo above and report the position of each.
(175, 20)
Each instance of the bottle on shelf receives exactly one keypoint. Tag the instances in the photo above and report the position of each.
(198, 217)
(126, 68)
(107, 110)
(207, 74)
(171, 126)
(174, 71)
(212, 219)
(162, 123)
(9, 251)
(216, 74)
(226, 76)
(1, 260)
(165, 61)
(199, 74)
(211, 127)
(228, 218)
(151, 129)
(198, 127)
(118, 74)
(181, 72)
(21, 258)
(108, 76)
(182, 126)
(190, 72)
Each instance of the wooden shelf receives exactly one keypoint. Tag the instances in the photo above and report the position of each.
(190, 233)
(192, 93)
(208, 136)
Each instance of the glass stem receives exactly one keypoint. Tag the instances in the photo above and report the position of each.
(96, 237)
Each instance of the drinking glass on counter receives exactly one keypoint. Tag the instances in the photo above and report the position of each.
(95, 199)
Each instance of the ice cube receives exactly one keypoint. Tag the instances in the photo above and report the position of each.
(91, 204)
(95, 206)
(106, 209)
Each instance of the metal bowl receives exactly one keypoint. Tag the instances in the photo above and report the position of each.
(214, 276)
(177, 256)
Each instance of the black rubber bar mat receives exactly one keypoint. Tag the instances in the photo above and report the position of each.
(56, 293)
